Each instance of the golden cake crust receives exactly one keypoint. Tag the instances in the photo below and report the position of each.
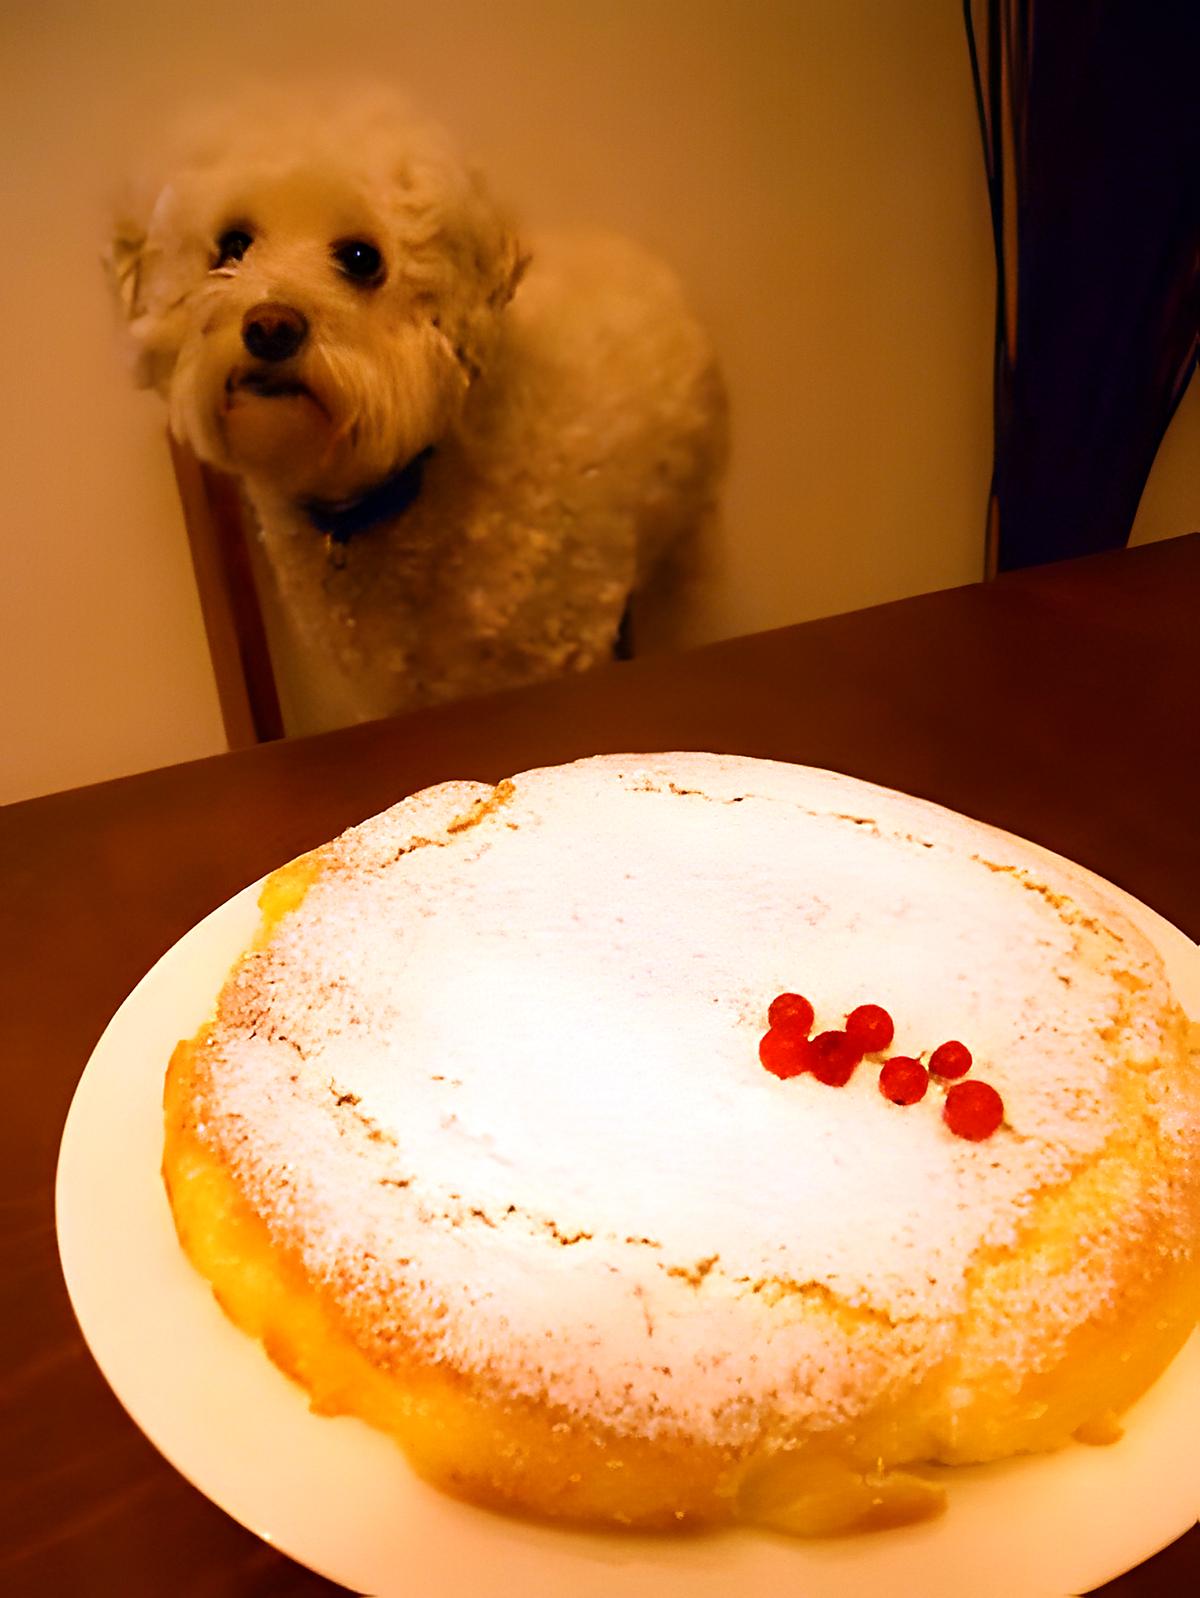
(1018, 1348)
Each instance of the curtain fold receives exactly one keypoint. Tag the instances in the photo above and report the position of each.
(1090, 115)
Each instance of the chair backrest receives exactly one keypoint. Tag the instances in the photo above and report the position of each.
(218, 529)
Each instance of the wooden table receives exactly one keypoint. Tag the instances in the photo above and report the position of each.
(1059, 703)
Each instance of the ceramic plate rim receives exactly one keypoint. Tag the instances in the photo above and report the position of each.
(339, 1498)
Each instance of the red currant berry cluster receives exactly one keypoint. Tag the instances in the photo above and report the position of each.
(971, 1110)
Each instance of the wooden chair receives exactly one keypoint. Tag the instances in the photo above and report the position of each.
(218, 530)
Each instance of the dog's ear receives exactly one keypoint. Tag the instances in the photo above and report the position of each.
(130, 210)
(122, 263)
(508, 268)
(128, 263)
(488, 264)
(515, 265)
(123, 267)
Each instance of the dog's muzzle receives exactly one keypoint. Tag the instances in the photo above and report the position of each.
(273, 332)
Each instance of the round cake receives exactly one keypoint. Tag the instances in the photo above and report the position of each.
(493, 1141)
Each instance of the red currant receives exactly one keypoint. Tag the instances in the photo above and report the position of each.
(793, 1010)
(973, 1110)
(903, 1080)
(833, 1057)
(871, 1027)
(950, 1061)
(784, 1051)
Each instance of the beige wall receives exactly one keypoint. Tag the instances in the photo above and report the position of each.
(810, 166)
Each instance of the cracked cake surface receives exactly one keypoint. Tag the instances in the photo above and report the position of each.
(494, 1081)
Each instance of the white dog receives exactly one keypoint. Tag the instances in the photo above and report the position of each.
(463, 459)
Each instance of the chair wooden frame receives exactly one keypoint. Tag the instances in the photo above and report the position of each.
(216, 521)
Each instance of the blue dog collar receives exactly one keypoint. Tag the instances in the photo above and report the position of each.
(340, 522)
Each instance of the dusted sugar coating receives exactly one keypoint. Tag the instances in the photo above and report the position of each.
(496, 1081)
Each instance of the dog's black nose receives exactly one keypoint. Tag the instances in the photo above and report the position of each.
(273, 332)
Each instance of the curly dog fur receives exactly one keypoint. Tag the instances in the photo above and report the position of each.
(337, 312)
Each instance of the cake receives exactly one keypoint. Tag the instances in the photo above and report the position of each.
(479, 1142)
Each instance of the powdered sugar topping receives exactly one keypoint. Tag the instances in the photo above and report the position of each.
(499, 1074)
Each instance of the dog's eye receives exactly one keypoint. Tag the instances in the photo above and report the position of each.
(231, 246)
(359, 260)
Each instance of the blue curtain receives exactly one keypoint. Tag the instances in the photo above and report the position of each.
(1090, 115)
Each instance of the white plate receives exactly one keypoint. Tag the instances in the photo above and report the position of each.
(340, 1498)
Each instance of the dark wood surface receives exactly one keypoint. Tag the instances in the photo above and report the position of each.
(1059, 703)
